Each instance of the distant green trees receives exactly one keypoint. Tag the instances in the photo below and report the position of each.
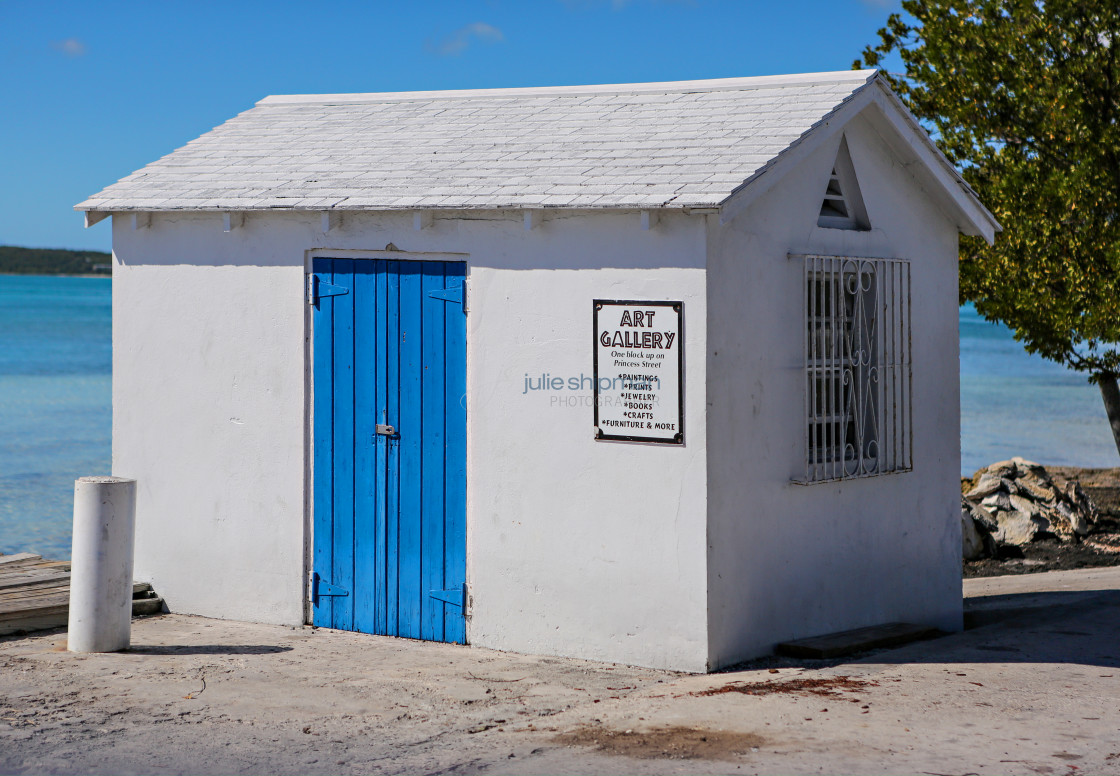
(51, 261)
(1023, 96)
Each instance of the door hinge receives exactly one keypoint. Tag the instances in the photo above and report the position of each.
(317, 289)
(456, 596)
(321, 589)
(453, 294)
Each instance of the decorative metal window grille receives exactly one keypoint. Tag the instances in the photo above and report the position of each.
(857, 367)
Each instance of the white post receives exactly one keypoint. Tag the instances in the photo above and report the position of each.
(101, 564)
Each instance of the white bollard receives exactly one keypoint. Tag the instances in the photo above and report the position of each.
(101, 564)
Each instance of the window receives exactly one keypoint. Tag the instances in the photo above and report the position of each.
(857, 367)
(842, 206)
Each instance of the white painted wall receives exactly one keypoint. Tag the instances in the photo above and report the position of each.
(578, 547)
(575, 547)
(789, 561)
(208, 414)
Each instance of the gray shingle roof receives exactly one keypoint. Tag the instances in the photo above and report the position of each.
(679, 144)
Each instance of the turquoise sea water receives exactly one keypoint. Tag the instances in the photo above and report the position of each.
(55, 404)
(1016, 404)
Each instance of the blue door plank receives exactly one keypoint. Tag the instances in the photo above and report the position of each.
(432, 453)
(392, 468)
(323, 437)
(343, 566)
(411, 590)
(455, 456)
(381, 460)
(366, 443)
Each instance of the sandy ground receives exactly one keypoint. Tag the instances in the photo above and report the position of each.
(1032, 687)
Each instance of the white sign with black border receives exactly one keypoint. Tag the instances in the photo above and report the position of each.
(639, 361)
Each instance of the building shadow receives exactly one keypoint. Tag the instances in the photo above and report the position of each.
(1060, 627)
(1057, 628)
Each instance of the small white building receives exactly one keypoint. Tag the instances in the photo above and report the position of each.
(660, 374)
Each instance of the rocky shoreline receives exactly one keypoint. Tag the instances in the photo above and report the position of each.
(1017, 516)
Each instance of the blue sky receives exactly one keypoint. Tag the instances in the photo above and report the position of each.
(90, 91)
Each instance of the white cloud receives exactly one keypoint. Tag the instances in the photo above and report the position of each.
(71, 47)
(457, 42)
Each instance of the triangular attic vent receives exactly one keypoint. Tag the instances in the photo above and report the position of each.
(842, 207)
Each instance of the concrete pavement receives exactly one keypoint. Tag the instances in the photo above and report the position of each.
(1033, 687)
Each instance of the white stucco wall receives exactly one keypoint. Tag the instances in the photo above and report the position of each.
(575, 547)
(786, 560)
(208, 413)
(579, 547)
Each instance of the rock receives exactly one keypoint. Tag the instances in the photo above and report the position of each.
(972, 543)
(1037, 488)
(1025, 505)
(1080, 525)
(1023, 467)
(1081, 501)
(1028, 504)
(1078, 522)
(1045, 525)
(1003, 469)
(1041, 518)
(1083, 511)
(987, 485)
(977, 525)
(997, 501)
(1015, 528)
(985, 520)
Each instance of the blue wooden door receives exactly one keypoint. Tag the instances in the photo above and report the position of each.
(389, 381)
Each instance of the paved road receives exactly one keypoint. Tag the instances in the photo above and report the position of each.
(1033, 687)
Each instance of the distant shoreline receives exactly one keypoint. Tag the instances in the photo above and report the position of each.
(15, 260)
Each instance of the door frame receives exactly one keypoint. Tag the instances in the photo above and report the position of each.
(309, 257)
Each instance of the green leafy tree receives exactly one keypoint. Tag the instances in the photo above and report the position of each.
(1024, 97)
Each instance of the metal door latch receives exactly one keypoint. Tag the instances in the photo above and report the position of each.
(385, 430)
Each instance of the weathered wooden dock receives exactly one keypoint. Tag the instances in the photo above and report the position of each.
(35, 594)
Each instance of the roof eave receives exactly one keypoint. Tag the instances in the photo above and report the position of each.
(982, 221)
